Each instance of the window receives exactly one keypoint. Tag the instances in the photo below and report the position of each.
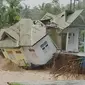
(18, 52)
(69, 35)
(71, 38)
(62, 15)
(11, 55)
(45, 47)
(31, 50)
(2, 50)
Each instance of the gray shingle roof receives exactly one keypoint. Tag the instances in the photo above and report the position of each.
(25, 33)
(60, 20)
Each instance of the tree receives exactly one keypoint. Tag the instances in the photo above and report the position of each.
(13, 11)
(38, 12)
(55, 1)
(26, 12)
(9, 14)
(2, 14)
(53, 7)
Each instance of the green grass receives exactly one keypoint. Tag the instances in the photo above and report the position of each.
(15, 84)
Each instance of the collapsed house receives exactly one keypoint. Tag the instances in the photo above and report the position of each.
(26, 43)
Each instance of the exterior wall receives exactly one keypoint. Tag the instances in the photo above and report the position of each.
(30, 56)
(15, 55)
(63, 41)
(41, 54)
(55, 36)
(72, 41)
(59, 41)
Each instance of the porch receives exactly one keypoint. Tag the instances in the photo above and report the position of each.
(73, 40)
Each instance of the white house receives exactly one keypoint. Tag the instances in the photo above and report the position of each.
(26, 42)
(72, 24)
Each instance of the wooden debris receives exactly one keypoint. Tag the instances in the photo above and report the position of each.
(64, 64)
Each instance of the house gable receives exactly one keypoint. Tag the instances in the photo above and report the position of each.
(78, 22)
(48, 16)
(6, 36)
(63, 23)
(8, 41)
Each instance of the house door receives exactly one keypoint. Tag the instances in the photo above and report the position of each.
(82, 41)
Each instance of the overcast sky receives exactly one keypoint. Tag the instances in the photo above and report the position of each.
(33, 3)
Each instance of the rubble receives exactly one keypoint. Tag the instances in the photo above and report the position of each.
(67, 65)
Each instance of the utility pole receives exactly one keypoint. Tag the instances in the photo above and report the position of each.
(83, 3)
(70, 4)
(74, 5)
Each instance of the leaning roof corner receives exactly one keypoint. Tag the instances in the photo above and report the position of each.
(47, 15)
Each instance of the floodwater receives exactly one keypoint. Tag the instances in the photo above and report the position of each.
(9, 72)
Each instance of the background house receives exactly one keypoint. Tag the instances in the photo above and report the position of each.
(72, 24)
(26, 42)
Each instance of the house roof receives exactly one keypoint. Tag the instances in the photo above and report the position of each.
(75, 18)
(1, 32)
(49, 16)
(8, 43)
(62, 23)
(23, 33)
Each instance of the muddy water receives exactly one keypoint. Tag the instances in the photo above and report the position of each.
(7, 65)
(9, 72)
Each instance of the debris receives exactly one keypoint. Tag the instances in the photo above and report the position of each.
(68, 65)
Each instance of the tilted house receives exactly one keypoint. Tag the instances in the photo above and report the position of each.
(72, 24)
(49, 20)
(26, 42)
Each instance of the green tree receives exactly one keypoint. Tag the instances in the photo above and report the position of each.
(53, 7)
(25, 12)
(2, 14)
(38, 12)
(10, 13)
(13, 11)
